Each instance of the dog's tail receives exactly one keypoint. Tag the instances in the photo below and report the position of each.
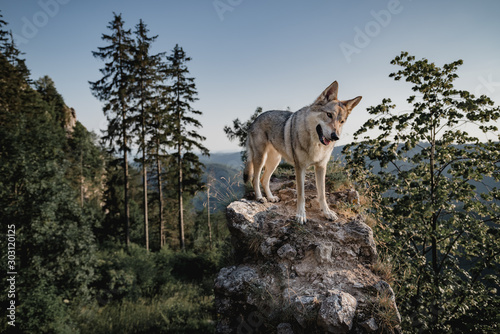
(248, 172)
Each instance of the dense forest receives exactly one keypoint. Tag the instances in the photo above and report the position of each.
(94, 221)
(124, 231)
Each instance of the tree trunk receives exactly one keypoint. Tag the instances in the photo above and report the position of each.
(123, 106)
(81, 179)
(125, 176)
(434, 225)
(181, 206)
(145, 192)
(160, 200)
(208, 212)
(179, 161)
(145, 179)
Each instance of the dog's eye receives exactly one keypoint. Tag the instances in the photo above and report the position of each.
(329, 114)
(342, 122)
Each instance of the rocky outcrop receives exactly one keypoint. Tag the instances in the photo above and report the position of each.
(312, 278)
(69, 119)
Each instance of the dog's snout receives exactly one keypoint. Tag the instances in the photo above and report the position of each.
(334, 136)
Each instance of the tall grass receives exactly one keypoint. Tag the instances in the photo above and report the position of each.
(185, 310)
(140, 292)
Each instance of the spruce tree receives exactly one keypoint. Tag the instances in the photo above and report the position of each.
(13, 55)
(47, 89)
(185, 137)
(113, 89)
(13, 68)
(158, 144)
(55, 246)
(145, 85)
(3, 35)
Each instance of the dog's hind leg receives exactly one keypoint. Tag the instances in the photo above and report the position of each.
(258, 162)
(248, 171)
(300, 176)
(320, 171)
(272, 161)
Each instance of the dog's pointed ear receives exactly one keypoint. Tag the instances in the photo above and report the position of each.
(329, 94)
(350, 104)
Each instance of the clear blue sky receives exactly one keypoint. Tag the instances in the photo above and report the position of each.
(274, 54)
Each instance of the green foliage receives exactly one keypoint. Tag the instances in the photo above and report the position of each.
(285, 170)
(165, 292)
(112, 227)
(11, 54)
(149, 101)
(114, 87)
(86, 170)
(125, 275)
(185, 137)
(240, 129)
(55, 246)
(46, 312)
(337, 177)
(114, 90)
(47, 89)
(185, 165)
(65, 196)
(146, 72)
(3, 35)
(185, 310)
(421, 169)
(146, 79)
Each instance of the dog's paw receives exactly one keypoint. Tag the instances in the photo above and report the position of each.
(261, 199)
(273, 199)
(330, 215)
(301, 217)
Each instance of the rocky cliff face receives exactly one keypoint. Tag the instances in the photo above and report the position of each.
(69, 119)
(291, 278)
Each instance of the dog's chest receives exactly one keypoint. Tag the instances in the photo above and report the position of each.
(315, 154)
(319, 153)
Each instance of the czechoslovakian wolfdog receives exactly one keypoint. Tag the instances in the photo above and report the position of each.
(302, 138)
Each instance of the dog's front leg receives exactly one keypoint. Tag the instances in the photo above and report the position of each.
(300, 175)
(320, 186)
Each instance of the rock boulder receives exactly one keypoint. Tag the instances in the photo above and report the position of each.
(291, 278)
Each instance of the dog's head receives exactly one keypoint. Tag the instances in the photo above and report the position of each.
(332, 113)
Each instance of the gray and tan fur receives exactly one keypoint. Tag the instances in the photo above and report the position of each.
(302, 138)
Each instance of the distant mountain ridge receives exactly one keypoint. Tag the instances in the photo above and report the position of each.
(227, 168)
(233, 159)
(226, 186)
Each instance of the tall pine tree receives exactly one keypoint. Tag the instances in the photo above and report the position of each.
(113, 89)
(185, 137)
(146, 82)
(3, 34)
(159, 142)
(55, 246)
